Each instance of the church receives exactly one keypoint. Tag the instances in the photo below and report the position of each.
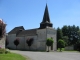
(39, 35)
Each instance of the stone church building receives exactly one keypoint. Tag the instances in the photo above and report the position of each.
(39, 35)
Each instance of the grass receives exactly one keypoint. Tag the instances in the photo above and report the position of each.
(12, 56)
(62, 49)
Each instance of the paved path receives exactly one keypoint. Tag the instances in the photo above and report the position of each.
(50, 55)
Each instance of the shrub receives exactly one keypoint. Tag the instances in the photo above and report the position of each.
(49, 42)
(16, 42)
(61, 44)
(29, 42)
(3, 51)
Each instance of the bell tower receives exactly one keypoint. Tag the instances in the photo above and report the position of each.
(46, 20)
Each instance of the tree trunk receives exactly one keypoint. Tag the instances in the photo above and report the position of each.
(48, 48)
(60, 49)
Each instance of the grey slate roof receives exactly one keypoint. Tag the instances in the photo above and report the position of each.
(46, 15)
(28, 32)
(16, 29)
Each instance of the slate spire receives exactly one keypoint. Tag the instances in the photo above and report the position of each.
(46, 20)
(46, 15)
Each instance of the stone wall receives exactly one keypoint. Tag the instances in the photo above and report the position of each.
(69, 48)
(41, 42)
(2, 42)
(51, 33)
(11, 39)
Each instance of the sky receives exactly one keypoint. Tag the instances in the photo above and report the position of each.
(29, 13)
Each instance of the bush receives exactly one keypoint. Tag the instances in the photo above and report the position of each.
(2, 51)
(61, 44)
(49, 42)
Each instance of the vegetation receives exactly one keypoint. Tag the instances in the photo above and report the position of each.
(63, 49)
(7, 42)
(29, 42)
(16, 42)
(61, 44)
(49, 42)
(12, 56)
(70, 34)
(3, 51)
(2, 29)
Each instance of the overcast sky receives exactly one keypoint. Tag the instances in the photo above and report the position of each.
(29, 13)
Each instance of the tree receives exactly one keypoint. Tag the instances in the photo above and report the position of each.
(65, 30)
(78, 46)
(65, 38)
(2, 29)
(16, 42)
(29, 42)
(59, 35)
(61, 44)
(71, 33)
(7, 42)
(49, 42)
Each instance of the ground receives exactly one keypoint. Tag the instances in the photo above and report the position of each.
(50, 55)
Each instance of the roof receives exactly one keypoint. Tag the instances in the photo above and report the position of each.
(16, 29)
(46, 20)
(28, 32)
(46, 15)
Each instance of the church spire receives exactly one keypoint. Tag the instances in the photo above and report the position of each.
(46, 15)
(46, 20)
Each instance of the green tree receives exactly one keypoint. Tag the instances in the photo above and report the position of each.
(65, 38)
(59, 35)
(61, 44)
(65, 30)
(71, 32)
(49, 42)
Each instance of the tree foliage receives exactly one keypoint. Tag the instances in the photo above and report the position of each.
(72, 32)
(59, 34)
(7, 42)
(16, 42)
(2, 28)
(49, 42)
(61, 44)
(29, 41)
(65, 38)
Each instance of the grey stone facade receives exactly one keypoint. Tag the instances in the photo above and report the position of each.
(39, 42)
(2, 42)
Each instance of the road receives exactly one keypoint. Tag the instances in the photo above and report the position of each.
(50, 55)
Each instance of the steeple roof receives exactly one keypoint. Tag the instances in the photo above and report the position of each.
(46, 15)
(46, 20)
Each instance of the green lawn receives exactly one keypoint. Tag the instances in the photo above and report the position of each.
(62, 49)
(12, 56)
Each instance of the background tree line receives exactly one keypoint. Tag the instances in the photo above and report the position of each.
(70, 34)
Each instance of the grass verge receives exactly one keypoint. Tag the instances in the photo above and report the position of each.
(12, 56)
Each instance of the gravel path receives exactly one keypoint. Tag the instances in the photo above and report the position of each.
(50, 55)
